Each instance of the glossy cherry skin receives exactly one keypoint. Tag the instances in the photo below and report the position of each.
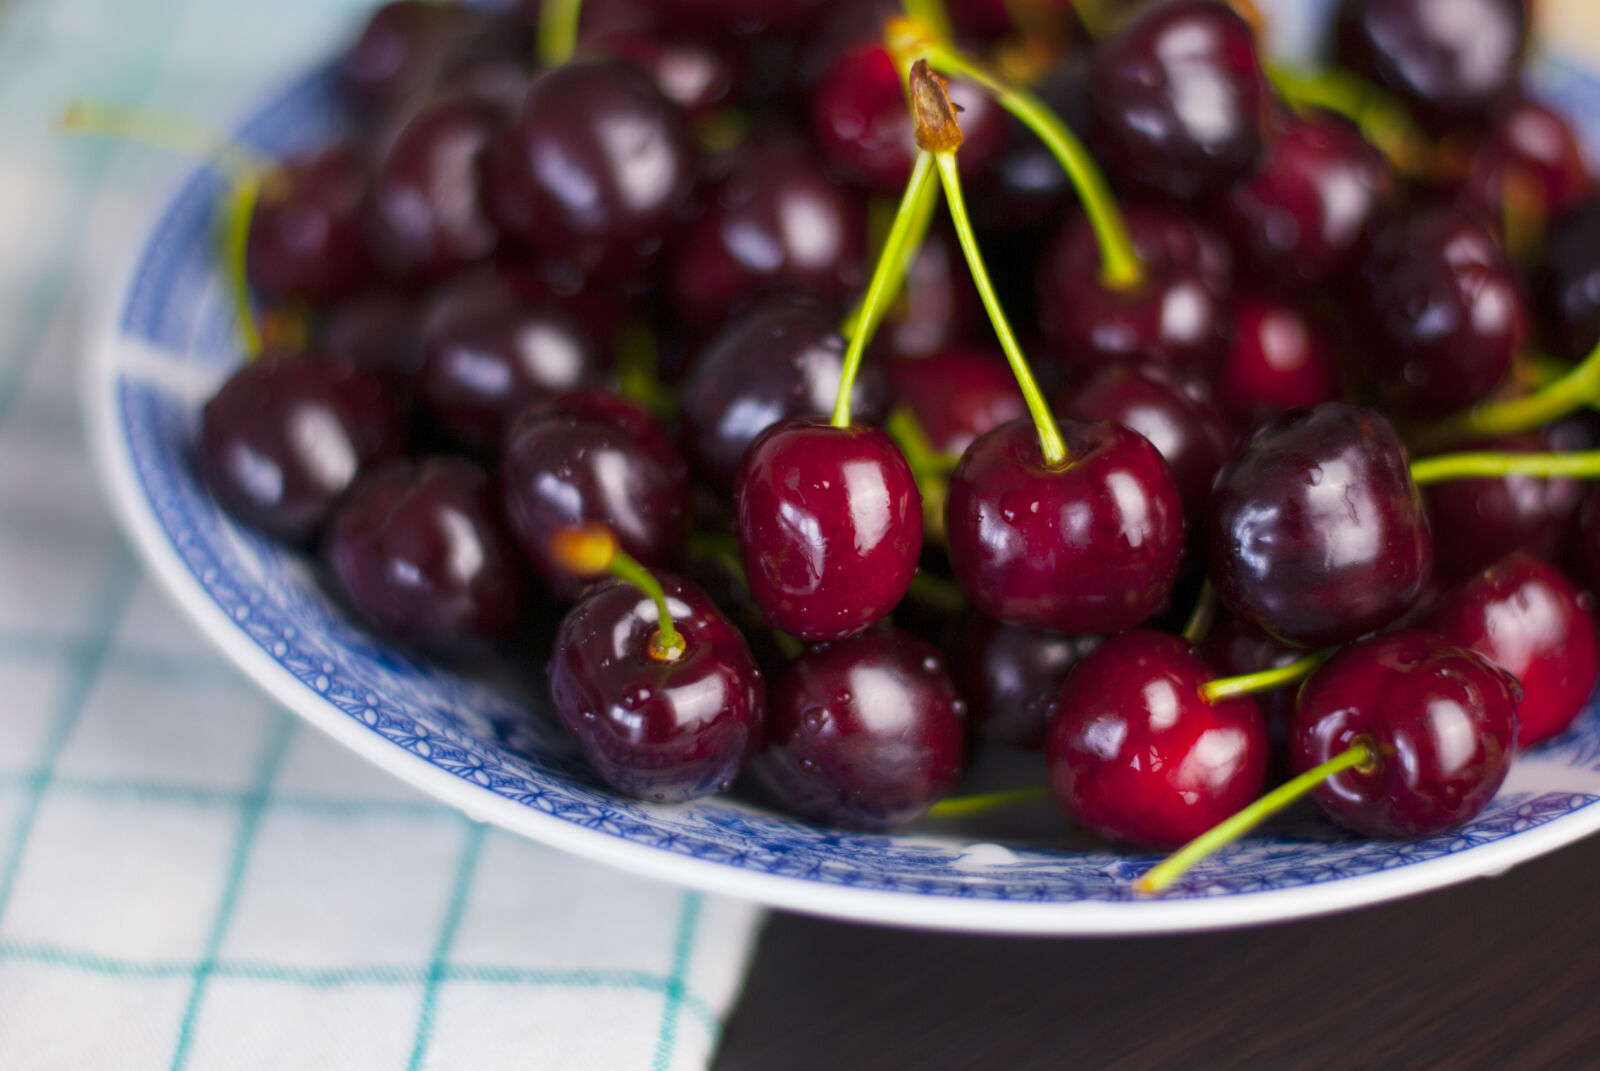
(1531, 163)
(1174, 412)
(1178, 316)
(1479, 521)
(286, 435)
(781, 360)
(860, 120)
(661, 730)
(776, 220)
(418, 550)
(1136, 753)
(1565, 283)
(867, 733)
(696, 78)
(1525, 616)
(1276, 362)
(1439, 313)
(594, 168)
(1304, 216)
(306, 238)
(488, 353)
(1451, 62)
(830, 527)
(956, 395)
(1317, 532)
(1178, 101)
(1010, 675)
(560, 470)
(1442, 719)
(425, 216)
(1090, 546)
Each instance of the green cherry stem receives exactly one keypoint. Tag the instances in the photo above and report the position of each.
(1577, 465)
(886, 276)
(1160, 877)
(236, 242)
(1576, 388)
(931, 14)
(979, 803)
(590, 551)
(558, 31)
(1263, 680)
(1381, 118)
(1202, 616)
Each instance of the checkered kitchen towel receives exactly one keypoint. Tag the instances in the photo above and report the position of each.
(189, 877)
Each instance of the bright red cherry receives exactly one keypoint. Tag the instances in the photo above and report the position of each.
(661, 728)
(1277, 362)
(956, 395)
(1442, 721)
(830, 527)
(1317, 531)
(1089, 546)
(867, 733)
(1137, 753)
(1523, 615)
(1010, 675)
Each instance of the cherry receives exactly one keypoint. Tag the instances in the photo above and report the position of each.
(1476, 522)
(1586, 542)
(1317, 532)
(425, 216)
(566, 465)
(1139, 755)
(1087, 546)
(1178, 100)
(1528, 168)
(783, 359)
(1175, 413)
(1234, 647)
(593, 168)
(739, 17)
(380, 330)
(286, 435)
(658, 725)
(306, 237)
(1178, 315)
(830, 526)
(866, 733)
(956, 395)
(1565, 283)
(1026, 187)
(1304, 216)
(937, 308)
(398, 52)
(1523, 615)
(1439, 723)
(489, 353)
(695, 77)
(1439, 312)
(1276, 362)
(418, 550)
(775, 220)
(1452, 64)
(1010, 675)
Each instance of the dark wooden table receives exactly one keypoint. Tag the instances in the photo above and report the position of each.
(1501, 974)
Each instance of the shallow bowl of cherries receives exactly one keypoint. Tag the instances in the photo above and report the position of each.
(1055, 468)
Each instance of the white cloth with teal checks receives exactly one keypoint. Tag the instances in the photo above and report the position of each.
(190, 877)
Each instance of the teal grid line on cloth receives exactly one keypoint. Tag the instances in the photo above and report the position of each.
(189, 878)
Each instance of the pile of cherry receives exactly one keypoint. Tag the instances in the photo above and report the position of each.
(561, 362)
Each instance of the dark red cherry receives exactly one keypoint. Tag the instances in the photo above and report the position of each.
(956, 395)
(665, 730)
(1233, 648)
(830, 526)
(306, 237)
(781, 360)
(1443, 721)
(1476, 522)
(1523, 615)
(1529, 167)
(1586, 542)
(425, 217)
(1026, 188)
(1139, 756)
(398, 51)
(1174, 412)
(866, 733)
(738, 17)
(1451, 62)
(860, 120)
(286, 435)
(1565, 283)
(938, 306)
(776, 220)
(601, 407)
(1178, 101)
(1089, 546)
(560, 470)
(1317, 532)
(418, 550)
(1277, 362)
(695, 77)
(1438, 312)
(593, 169)
(1010, 675)
(1178, 316)
(489, 353)
(380, 331)
(1304, 216)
